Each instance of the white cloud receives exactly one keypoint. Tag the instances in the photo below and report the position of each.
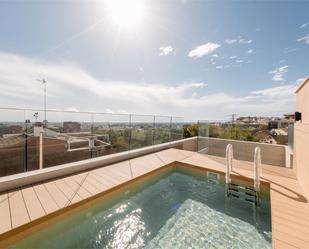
(304, 39)
(70, 87)
(303, 25)
(166, 50)
(279, 72)
(222, 67)
(204, 49)
(233, 57)
(239, 40)
(230, 41)
(72, 109)
(243, 41)
(107, 110)
(250, 51)
(279, 91)
(291, 50)
(239, 61)
(122, 111)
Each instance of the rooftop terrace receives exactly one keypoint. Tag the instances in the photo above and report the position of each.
(23, 207)
(31, 200)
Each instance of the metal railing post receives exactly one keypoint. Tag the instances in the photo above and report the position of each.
(26, 145)
(41, 151)
(130, 131)
(91, 141)
(92, 123)
(171, 121)
(153, 130)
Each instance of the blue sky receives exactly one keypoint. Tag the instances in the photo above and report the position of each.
(197, 59)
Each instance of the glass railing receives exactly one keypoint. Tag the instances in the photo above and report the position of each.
(29, 141)
(272, 137)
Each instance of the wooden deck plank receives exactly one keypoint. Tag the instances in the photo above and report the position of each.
(56, 194)
(171, 155)
(65, 188)
(75, 199)
(107, 179)
(280, 244)
(82, 180)
(122, 169)
(33, 204)
(18, 209)
(5, 216)
(123, 174)
(45, 198)
(289, 239)
(145, 164)
(82, 193)
(77, 189)
(111, 175)
(187, 153)
(97, 183)
(96, 177)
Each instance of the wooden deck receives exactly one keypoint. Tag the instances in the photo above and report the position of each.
(290, 210)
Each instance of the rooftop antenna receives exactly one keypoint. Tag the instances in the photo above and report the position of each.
(234, 118)
(44, 82)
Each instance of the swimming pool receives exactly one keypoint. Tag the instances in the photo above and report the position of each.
(177, 210)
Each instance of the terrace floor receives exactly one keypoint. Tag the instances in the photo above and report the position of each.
(289, 207)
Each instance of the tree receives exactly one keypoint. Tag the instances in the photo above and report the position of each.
(190, 130)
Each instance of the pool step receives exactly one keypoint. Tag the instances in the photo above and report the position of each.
(241, 192)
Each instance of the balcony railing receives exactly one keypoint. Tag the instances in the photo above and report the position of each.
(29, 142)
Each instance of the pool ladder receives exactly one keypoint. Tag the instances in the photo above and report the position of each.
(250, 194)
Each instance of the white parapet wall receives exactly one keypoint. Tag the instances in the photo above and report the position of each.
(35, 176)
(243, 150)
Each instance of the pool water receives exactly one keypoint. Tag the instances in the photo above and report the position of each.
(176, 211)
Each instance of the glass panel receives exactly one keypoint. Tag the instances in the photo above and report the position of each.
(35, 119)
(12, 142)
(111, 133)
(67, 137)
(203, 135)
(244, 137)
(177, 128)
(142, 134)
(162, 131)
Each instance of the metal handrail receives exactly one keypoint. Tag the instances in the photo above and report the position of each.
(228, 163)
(257, 168)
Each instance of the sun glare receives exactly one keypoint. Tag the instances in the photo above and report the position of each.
(126, 13)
